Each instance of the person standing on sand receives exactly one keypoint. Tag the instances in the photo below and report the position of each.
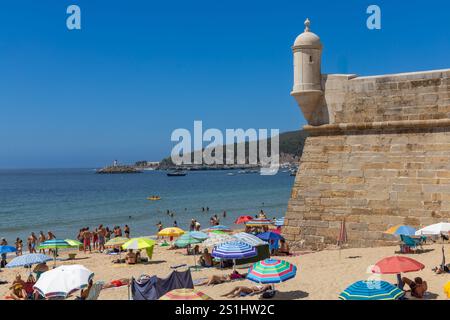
(101, 238)
(31, 242)
(126, 229)
(95, 239)
(18, 247)
(107, 234)
(197, 225)
(41, 240)
(3, 242)
(87, 240)
(51, 236)
(175, 225)
(160, 227)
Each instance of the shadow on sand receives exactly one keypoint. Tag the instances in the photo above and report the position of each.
(289, 295)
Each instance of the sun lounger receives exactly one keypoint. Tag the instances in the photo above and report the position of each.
(410, 244)
(95, 290)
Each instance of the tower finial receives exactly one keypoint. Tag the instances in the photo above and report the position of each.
(307, 24)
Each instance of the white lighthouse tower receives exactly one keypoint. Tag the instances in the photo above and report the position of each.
(307, 89)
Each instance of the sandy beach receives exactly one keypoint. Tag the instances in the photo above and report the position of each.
(321, 275)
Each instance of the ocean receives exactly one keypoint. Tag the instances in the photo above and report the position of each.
(65, 200)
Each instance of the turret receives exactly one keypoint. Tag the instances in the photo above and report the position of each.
(307, 89)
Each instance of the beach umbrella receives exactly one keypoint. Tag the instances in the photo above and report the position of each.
(259, 222)
(447, 289)
(54, 244)
(249, 238)
(7, 249)
(215, 239)
(401, 230)
(269, 235)
(234, 250)
(397, 264)
(279, 222)
(243, 219)
(271, 271)
(171, 232)
(186, 240)
(64, 280)
(199, 235)
(434, 229)
(218, 228)
(217, 232)
(116, 242)
(185, 294)
(371, 290)
(73, 243)
(138, 244)
(27, 260)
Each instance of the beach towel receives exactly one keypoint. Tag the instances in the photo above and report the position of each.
(154, 287)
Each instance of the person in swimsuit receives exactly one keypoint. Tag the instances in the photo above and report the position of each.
(18, 289)
(51, 236)
(18, 247)
(101, 238)
(243, 291)
(215, 279)
(418, 286)
(41, 240)
(87, 240)
(126, 230)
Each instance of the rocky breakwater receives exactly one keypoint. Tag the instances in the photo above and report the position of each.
(118, 170)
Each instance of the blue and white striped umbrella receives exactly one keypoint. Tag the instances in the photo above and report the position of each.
(7, 249)
(371, 290)
(250, 239)
(218, 228)
(234, 250)
(27, 260)
(279, 222)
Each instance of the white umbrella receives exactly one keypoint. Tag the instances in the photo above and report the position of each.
(252, 240)
(215, 239)
(434, 229)
(64, 280)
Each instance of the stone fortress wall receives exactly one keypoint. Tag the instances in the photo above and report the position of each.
(378, 155)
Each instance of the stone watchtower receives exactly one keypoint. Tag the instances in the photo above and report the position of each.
(377, 154)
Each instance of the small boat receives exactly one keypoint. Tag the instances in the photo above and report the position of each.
(154, 198)
(230, 174)
(177, 173)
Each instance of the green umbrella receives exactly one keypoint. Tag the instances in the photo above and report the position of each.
(54, 245)
(73, 243)
(186, 240)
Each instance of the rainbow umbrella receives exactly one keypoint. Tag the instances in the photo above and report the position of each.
(259, 223)
(271, 271)
(218, 228)
(185, 294)
(401, 230)
(371, 290)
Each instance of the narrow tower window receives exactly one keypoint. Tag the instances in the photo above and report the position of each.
(310, 59)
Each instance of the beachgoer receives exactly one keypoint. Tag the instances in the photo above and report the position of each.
(215, 279)
(126, 230)
(85, 292)
(3, 242)
(87, 240)
(41, 239)
(284, 248)
(192, 225)
(206, 259)
(51, 236)
(130, 257)
(418, 286)
(18, 247)
(18, 289)
(31, 242)
(175, 225)
(95, 239)
(243, 291)
(101, 238)
(224, 214)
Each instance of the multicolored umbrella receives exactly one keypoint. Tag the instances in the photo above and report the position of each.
(185, 294)
(259, 223)
(271, 271)
(115, 242)
(233, 250)
(73, 243)
(64, 280)
(252, 240)
(27, 260)
(216, 239)
(371, 290)
(186, 240)
(7, 249)
(171, 232)
(396, 265)
(54, 244)
(138, 244)
(218, 228)
(401, 230)
(243, 219)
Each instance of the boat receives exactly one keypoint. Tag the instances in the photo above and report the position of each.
(230, 174)
(154, 198)
(177, 173)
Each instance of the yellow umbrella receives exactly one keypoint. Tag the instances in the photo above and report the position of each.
(171, 232)
(73, 243)
(447, 289)
(117, 241)
(138, 244)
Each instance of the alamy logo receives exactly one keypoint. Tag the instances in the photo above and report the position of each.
(251, 147)
(374, 20)
(73, 21)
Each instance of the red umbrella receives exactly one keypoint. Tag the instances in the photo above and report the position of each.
(396, 265)
(243, 219)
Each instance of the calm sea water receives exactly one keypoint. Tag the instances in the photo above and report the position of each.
(64, 200)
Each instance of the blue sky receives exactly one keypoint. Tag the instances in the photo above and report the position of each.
(140, 69)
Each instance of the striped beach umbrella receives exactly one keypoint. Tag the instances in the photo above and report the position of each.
(271, 271)
(401, 230)
(171, 232)
(259, 223)
(252, 240)
(27, 260)
(218, 228)
(185, 294)
(73, 243)
(371, 290)
(64, 280)
(279, 222)
(233, 250)
(216, 239)
(54, 244)
(138, 244)
(7, 249)
(115, 242)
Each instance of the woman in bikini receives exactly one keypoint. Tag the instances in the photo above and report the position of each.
(243, 291)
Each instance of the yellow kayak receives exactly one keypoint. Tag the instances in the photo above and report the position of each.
(154, 198)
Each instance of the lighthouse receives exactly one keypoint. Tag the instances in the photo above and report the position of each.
(307, 90)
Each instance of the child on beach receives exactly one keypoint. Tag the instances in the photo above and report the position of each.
(19, 246)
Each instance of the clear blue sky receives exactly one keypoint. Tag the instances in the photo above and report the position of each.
(139, 69)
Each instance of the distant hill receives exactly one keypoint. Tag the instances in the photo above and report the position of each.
(291, 148)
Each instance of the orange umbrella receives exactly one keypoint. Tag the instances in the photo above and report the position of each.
(243, 219)
(397, 264)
